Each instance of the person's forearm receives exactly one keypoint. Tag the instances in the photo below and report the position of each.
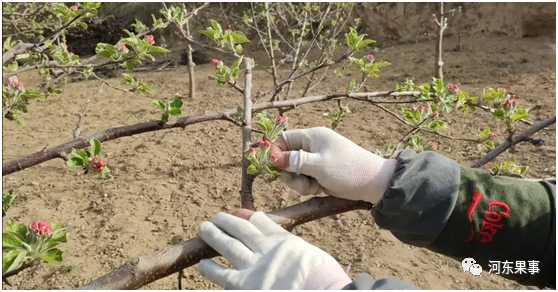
(466, 213)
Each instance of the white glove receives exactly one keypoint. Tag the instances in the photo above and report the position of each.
(321, 159)
(266, 256)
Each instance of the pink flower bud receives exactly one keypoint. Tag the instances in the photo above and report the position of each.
(34, 226)
(513, 95)
(510, 103)
(370, 58)
(216, 62)
(274, 157)
(41, 228)
(228, 30)
(453, 87)
(436, 114)
(493, 136)
(264, 143)
(281, 119)
(74, 7)
(18, 84)
(44, 228)
(150, 39)
(252, 150)
(503, 89)
(95, 159)
(122, 47)
(422, 107)
(434, 145)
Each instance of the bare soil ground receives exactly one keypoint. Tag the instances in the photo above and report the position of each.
(167, 182)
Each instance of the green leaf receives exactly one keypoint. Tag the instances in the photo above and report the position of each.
(18, 229)
(175, 111)
(158, 104)
(80, 154)
(12, 260)
(499, 113)
(10, 241)
(105, 171)
(176, 103)
(489, 144)
(82, 24)
(52, 256)
(156, 49)
(95, 146)
(30, 95)
(364, 43)
(58, 237)
(252, 169)
(239, 37)
(11, 65)
(210, 33)
(129, 65)
(23, 56)
(216, 27)
(436, 125)
(75, 162)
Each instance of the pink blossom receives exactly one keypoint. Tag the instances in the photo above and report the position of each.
(216, 62)
(434, 145)
(98, 164)
(281, 119)
(18, 84)
(493, 136)
(264, 143)
(436, 114)
(252, 150)
(370, 58)
(422, 107)
(510, 103)
(74, 7)
(228, 30)
(122, 47)
(41, 228)
(512, 95)
(150, 39)
(453, 87)
(274, 157)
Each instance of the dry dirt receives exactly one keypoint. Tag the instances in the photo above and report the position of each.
(167, 182)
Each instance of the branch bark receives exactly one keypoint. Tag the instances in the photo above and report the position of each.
(442, 24)
(145, 269)
(77, 130)
(507, 144)
(41, 156)
(246, 198)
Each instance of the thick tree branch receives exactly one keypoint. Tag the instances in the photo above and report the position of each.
(41, 156)
(518, 139)
(149, 268)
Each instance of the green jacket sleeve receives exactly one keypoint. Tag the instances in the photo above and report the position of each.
(463, 213)
(503, 220)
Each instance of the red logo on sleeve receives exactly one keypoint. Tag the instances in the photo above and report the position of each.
(492, 221)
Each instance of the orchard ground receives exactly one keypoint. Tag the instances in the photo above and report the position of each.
(167, 182)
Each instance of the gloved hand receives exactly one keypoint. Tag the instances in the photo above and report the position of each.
(320, 159)
(266, 256)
